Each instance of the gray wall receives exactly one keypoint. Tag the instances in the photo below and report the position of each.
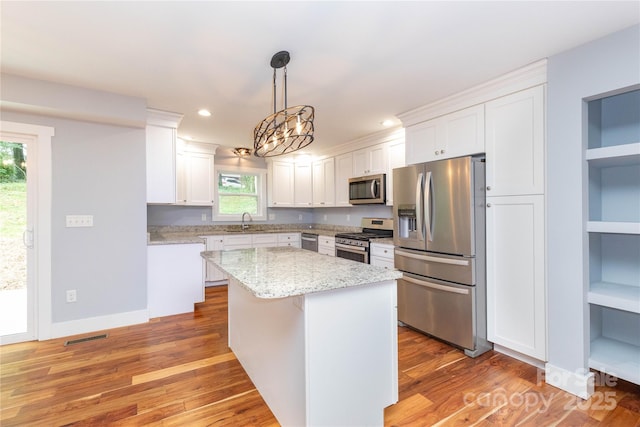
(595, 68)
(97, 169)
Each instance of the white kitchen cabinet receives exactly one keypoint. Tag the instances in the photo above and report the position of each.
(613, 225)
(213, 274)
(324, 183)
(370, 160)
(237, 241)
(289, 239)
(302, 193)
(327, 245)
(195, 173)
(266, 240)
(161, 156)
(515, 143)
(344, 171)
(395, 154)
(281, 177)
(516, 291)
(456, 134)
(381, 255)
(174, 278)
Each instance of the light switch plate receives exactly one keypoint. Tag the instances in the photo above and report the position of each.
(79, 220)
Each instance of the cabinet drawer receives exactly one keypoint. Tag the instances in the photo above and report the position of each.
(237, 240)
(289, 237)
(326, 241)
(264, 240)
(214, 243)
(381, 250)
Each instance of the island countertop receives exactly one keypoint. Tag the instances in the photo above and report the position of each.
(280, 272)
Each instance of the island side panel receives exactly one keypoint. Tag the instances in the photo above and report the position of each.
(267, 337)
(352, 354)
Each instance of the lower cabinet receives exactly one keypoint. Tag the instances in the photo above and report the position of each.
(382, 255)
(516, 292)
(174, 278)
(289, 239)
(327, 245)
(212, 273)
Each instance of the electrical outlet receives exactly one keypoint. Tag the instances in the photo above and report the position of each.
(79, 220)
(348, 217)
(324, 217)
(299, 217)
(204, 217)
(71, 295)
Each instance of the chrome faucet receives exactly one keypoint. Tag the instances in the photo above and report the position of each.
(245, 226)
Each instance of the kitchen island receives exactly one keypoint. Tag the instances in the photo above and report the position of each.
(317, 335)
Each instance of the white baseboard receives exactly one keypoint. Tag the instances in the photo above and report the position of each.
(517, 355)
(100, 323)
(578, 383)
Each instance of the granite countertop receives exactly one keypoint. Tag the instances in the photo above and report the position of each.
(282, 272)
(170, 235)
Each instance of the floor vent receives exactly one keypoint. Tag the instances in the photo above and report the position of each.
(79, 340)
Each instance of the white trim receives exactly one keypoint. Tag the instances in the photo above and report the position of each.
(520, 356)
(261, 190)
(531, 75)
(580, 384)
(99, 323)
(42, 220)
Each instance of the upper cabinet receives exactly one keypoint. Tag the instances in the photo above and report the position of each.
(281, 184)
(456, 134)
(515, 143)
(161, 132)
(324, 183)
(344, 171)
(195, 178)
(370, 160)
(302, 195)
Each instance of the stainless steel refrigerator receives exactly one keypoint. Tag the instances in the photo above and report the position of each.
(439, 213)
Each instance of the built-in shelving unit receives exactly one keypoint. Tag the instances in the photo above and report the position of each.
(613, 224)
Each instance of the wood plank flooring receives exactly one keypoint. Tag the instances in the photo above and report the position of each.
(178, 371)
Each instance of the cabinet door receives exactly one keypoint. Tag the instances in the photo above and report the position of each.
(370, 160)
(515, 274)
(462, 133)
(395, 154)
(344, 171)
(181, 177)
(214, 243)
(324, 183)
(515, 143)
(302, 194)
(281, 187)
(161, 163)
(199, 179)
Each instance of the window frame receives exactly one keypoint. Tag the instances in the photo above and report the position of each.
(261, 189)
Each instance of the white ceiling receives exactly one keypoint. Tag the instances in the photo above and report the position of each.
(357, 63)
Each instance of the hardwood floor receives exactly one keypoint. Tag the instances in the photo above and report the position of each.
(178, 371)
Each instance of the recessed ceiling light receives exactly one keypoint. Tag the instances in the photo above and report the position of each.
(204, 113)
(386, 123)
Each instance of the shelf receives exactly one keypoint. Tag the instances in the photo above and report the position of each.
(613, 227)
(616, 155)
(614, 295)
(616, 358)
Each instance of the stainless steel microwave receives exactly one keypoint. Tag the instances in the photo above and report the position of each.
(367, 190)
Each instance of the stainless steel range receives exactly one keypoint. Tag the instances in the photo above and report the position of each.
(355, 246)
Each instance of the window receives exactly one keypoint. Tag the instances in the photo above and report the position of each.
(240, 190)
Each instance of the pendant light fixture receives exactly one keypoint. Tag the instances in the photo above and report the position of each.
(287, 130)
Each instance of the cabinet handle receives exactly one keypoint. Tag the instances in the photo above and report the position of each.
(441, 151)
(488, 205)
(488, 188)
(436, 153)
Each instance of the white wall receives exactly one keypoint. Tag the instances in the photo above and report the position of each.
(595, 68)
(98, 168)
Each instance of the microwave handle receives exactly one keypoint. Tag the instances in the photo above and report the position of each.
(374, 188)
(428, 200)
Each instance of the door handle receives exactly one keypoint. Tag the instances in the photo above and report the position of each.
(436, 286)
(432, 258)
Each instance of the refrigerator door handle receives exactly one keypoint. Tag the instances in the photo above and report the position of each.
(428, 258)
(419, 216)
(427, 208)
(431, 285)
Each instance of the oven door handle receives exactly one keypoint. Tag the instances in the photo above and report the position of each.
(351, 248)
(436, 286)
